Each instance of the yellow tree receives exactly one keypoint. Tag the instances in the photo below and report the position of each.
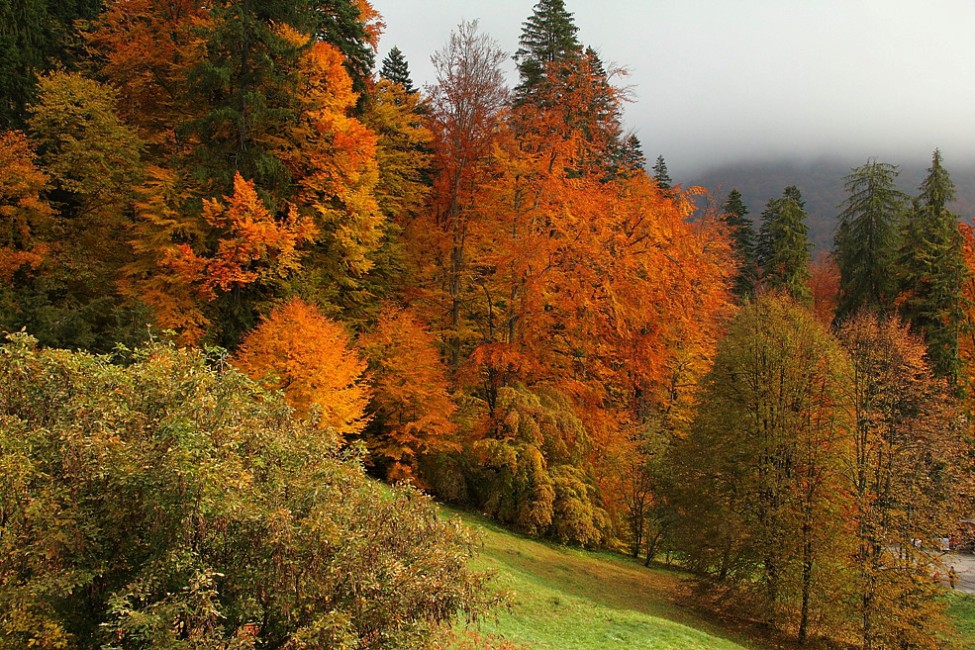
(298, 350)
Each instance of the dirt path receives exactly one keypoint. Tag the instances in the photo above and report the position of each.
(964, 565)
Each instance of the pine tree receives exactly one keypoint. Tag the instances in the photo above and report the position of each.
(396, 69)
(743, 243)
(932, 271)
(548, 36)
(783, 245)
(661, 175)
(866, 238)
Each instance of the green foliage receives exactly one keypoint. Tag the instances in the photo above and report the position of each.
(94, 163)
(932, 271)
(783, 245)
(342, 23)
(756, 481)
(242, 92)
(866, 238)
(528, 472)
(548, 36)
(661, 175)
(743, 241)
(171, 503)
(396, 69)
(35, 36)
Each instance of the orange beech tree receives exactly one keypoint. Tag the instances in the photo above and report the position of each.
(411, 405)
(236, 243)
(148, 48)
(25, 215)
(308, 356)
(966, 345)
(824, 287)
(907, 472)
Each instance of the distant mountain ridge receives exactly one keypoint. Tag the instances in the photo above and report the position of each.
(821, 183)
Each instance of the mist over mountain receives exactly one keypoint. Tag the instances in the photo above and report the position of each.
(821, 183)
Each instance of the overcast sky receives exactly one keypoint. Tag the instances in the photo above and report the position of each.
(718, 80)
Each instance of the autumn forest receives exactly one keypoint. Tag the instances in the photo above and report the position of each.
(264, 301)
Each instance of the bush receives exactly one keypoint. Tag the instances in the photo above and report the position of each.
(173, 503)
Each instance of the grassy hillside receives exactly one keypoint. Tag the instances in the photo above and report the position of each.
(575, 600)
(569, 599)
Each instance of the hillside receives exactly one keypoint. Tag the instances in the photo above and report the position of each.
(564, 598)
(821, 183)
(576, 600)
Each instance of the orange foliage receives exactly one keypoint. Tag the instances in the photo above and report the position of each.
(297, 350)
(966, 344)
(371, 20)
(148, 48)
(824, 285)
(332, 155)
(254, 246)
(179, 279)
(24, 215)
(411, 402)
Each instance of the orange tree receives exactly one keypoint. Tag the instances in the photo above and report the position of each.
(310, 358)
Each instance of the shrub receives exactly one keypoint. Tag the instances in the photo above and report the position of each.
(171, 502)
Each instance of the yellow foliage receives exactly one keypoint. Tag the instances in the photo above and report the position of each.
(333, 155)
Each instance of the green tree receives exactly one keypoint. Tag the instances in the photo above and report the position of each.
(36, 36)
(866, 238)
(758, 482)
(783, 245)
(352, 26)
(932, 271)
(95, 164)
(548, 36)
(243, 92)
(661, 175)
(396, 69)
(735, 215)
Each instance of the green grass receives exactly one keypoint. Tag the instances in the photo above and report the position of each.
(962, 609)
(575, 600)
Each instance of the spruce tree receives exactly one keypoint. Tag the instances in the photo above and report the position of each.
(661, 175)
(396, 69)
(866, 238)
(743, 243)
(932, 271)
(628, 156)
(783, 245)
(35, 36)
(342, 23)
(549, 35)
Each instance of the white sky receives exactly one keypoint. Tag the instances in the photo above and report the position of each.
(719, 80)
